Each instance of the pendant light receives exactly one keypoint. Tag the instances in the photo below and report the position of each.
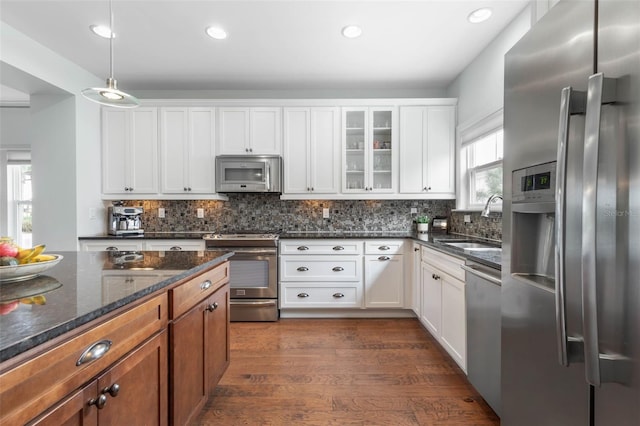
(110, 95)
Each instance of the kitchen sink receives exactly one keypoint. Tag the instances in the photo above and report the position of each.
(472, 246)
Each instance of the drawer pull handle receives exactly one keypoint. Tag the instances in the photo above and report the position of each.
(303, 295)
(112, 248)
(435, 277)
(303, 248)
(175, 248)
(112, 390)
(338, 248)
(205, 285)
(99, 402)
(212, 307)
(384, 258)
(384, 248)
(416, 249)
(338, 269)
(303, 269)
(95, 351)
(338, 295)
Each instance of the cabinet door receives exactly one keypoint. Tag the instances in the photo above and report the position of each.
(233, 131)
(189, 386)
(355, 123)
(217, 336)
(324, 148)
(296, 150)
(454, 324)
(440, 161)
(413, 124)
(416, 285)
(384, 281)
(174, 140)
(115, 146)
(431, 300)
(142, 393)
(265, 133)
(144, 151)
(381, 150)
(201, 151)
(72, 411)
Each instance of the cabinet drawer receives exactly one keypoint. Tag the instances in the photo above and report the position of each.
(321, 268)
(171, 245)
(38, 383)
(320, 246)
(111, 245)
(384, 247)
(309, 295)
(185, 296)
(446, 263)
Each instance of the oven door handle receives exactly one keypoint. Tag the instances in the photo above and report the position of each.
(252, 304)
(253, 251)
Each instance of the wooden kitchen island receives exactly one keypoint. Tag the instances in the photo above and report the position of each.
(115, 338)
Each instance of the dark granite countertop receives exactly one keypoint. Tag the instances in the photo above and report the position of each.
(77, 291)
(309, 235)
(491, 259)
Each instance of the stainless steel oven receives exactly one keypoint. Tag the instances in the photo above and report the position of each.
(253, 274)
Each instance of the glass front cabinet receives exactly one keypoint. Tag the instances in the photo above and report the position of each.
(369, 142)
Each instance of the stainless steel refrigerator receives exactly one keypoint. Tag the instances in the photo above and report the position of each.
(571, 219)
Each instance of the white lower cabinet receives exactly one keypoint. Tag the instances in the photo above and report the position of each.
(142, 244)
(111, 245)
(384, 274)
(443, 309)
(174, 245)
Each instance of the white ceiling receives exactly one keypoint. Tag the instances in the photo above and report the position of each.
(272, 45)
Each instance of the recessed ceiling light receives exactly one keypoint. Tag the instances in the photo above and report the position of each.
(102, 31)
(217, 33)
(352, 31)
(479, 15)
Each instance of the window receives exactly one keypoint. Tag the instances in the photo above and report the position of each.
(18, 201)
(480, 165)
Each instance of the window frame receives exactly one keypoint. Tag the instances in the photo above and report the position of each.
(467, 135)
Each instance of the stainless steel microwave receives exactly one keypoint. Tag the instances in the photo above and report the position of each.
(248, 173)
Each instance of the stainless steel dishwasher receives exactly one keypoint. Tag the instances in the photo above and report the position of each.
(482, 293)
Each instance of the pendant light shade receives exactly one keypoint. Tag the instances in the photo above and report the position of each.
(110, 95)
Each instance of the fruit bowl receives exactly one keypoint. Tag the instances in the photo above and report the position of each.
(28, 270)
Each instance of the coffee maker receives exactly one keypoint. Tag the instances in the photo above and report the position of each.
(124, 220)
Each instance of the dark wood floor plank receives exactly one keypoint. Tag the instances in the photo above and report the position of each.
(342, 372)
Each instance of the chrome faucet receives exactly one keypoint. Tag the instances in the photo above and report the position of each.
(487, 208)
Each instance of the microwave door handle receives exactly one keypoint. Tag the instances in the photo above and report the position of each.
(267, 174)
(572, 102)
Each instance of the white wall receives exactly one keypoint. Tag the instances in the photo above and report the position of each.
(480, 87)
(65, 139)
(14, 126)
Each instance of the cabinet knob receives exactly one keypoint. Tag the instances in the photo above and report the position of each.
(338, 269)
(112, 390)
(246, 150)
(303, 248)
(312, 189)
(338, 295)
(308, 189)
(130, 188)
(205, 285)
(384, 248)
(435, 277)
(184, 188)
(338, 248)
(250, 149)
(303, 269)
(212, 307)
(384, 258)
(99, 402)
(416, 249)
(303, 295)
(189, 188)
(175, 248)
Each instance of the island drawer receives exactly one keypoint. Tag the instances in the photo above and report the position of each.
(38, 382)
(190, 293)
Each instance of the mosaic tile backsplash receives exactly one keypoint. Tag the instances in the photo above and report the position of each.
(484, 227)
(268, 213)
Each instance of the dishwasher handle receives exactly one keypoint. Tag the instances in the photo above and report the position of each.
(482, 274)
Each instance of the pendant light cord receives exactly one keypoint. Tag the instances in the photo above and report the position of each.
(111, 36)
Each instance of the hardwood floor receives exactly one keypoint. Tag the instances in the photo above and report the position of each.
(342, 372)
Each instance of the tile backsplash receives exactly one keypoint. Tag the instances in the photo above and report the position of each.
(267, 212)
(484, 227)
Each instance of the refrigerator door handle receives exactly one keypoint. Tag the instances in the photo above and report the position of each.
(571, 103)
(600, 91)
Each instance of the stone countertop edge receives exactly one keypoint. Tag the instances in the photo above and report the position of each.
(43, 337)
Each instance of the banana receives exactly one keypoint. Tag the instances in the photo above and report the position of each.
(42, 258)
(35, 300)
(28, 255)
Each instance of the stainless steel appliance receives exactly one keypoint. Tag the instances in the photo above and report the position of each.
(253, 274)
(482, 295)
(571, 217)
(440, 225)
(248, 173)
(123, 220)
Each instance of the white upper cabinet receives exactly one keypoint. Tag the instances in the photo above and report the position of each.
(311, 146)
(250, 131)
(369, 146)
(130, 151)
(427, 151)
(187, 150)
